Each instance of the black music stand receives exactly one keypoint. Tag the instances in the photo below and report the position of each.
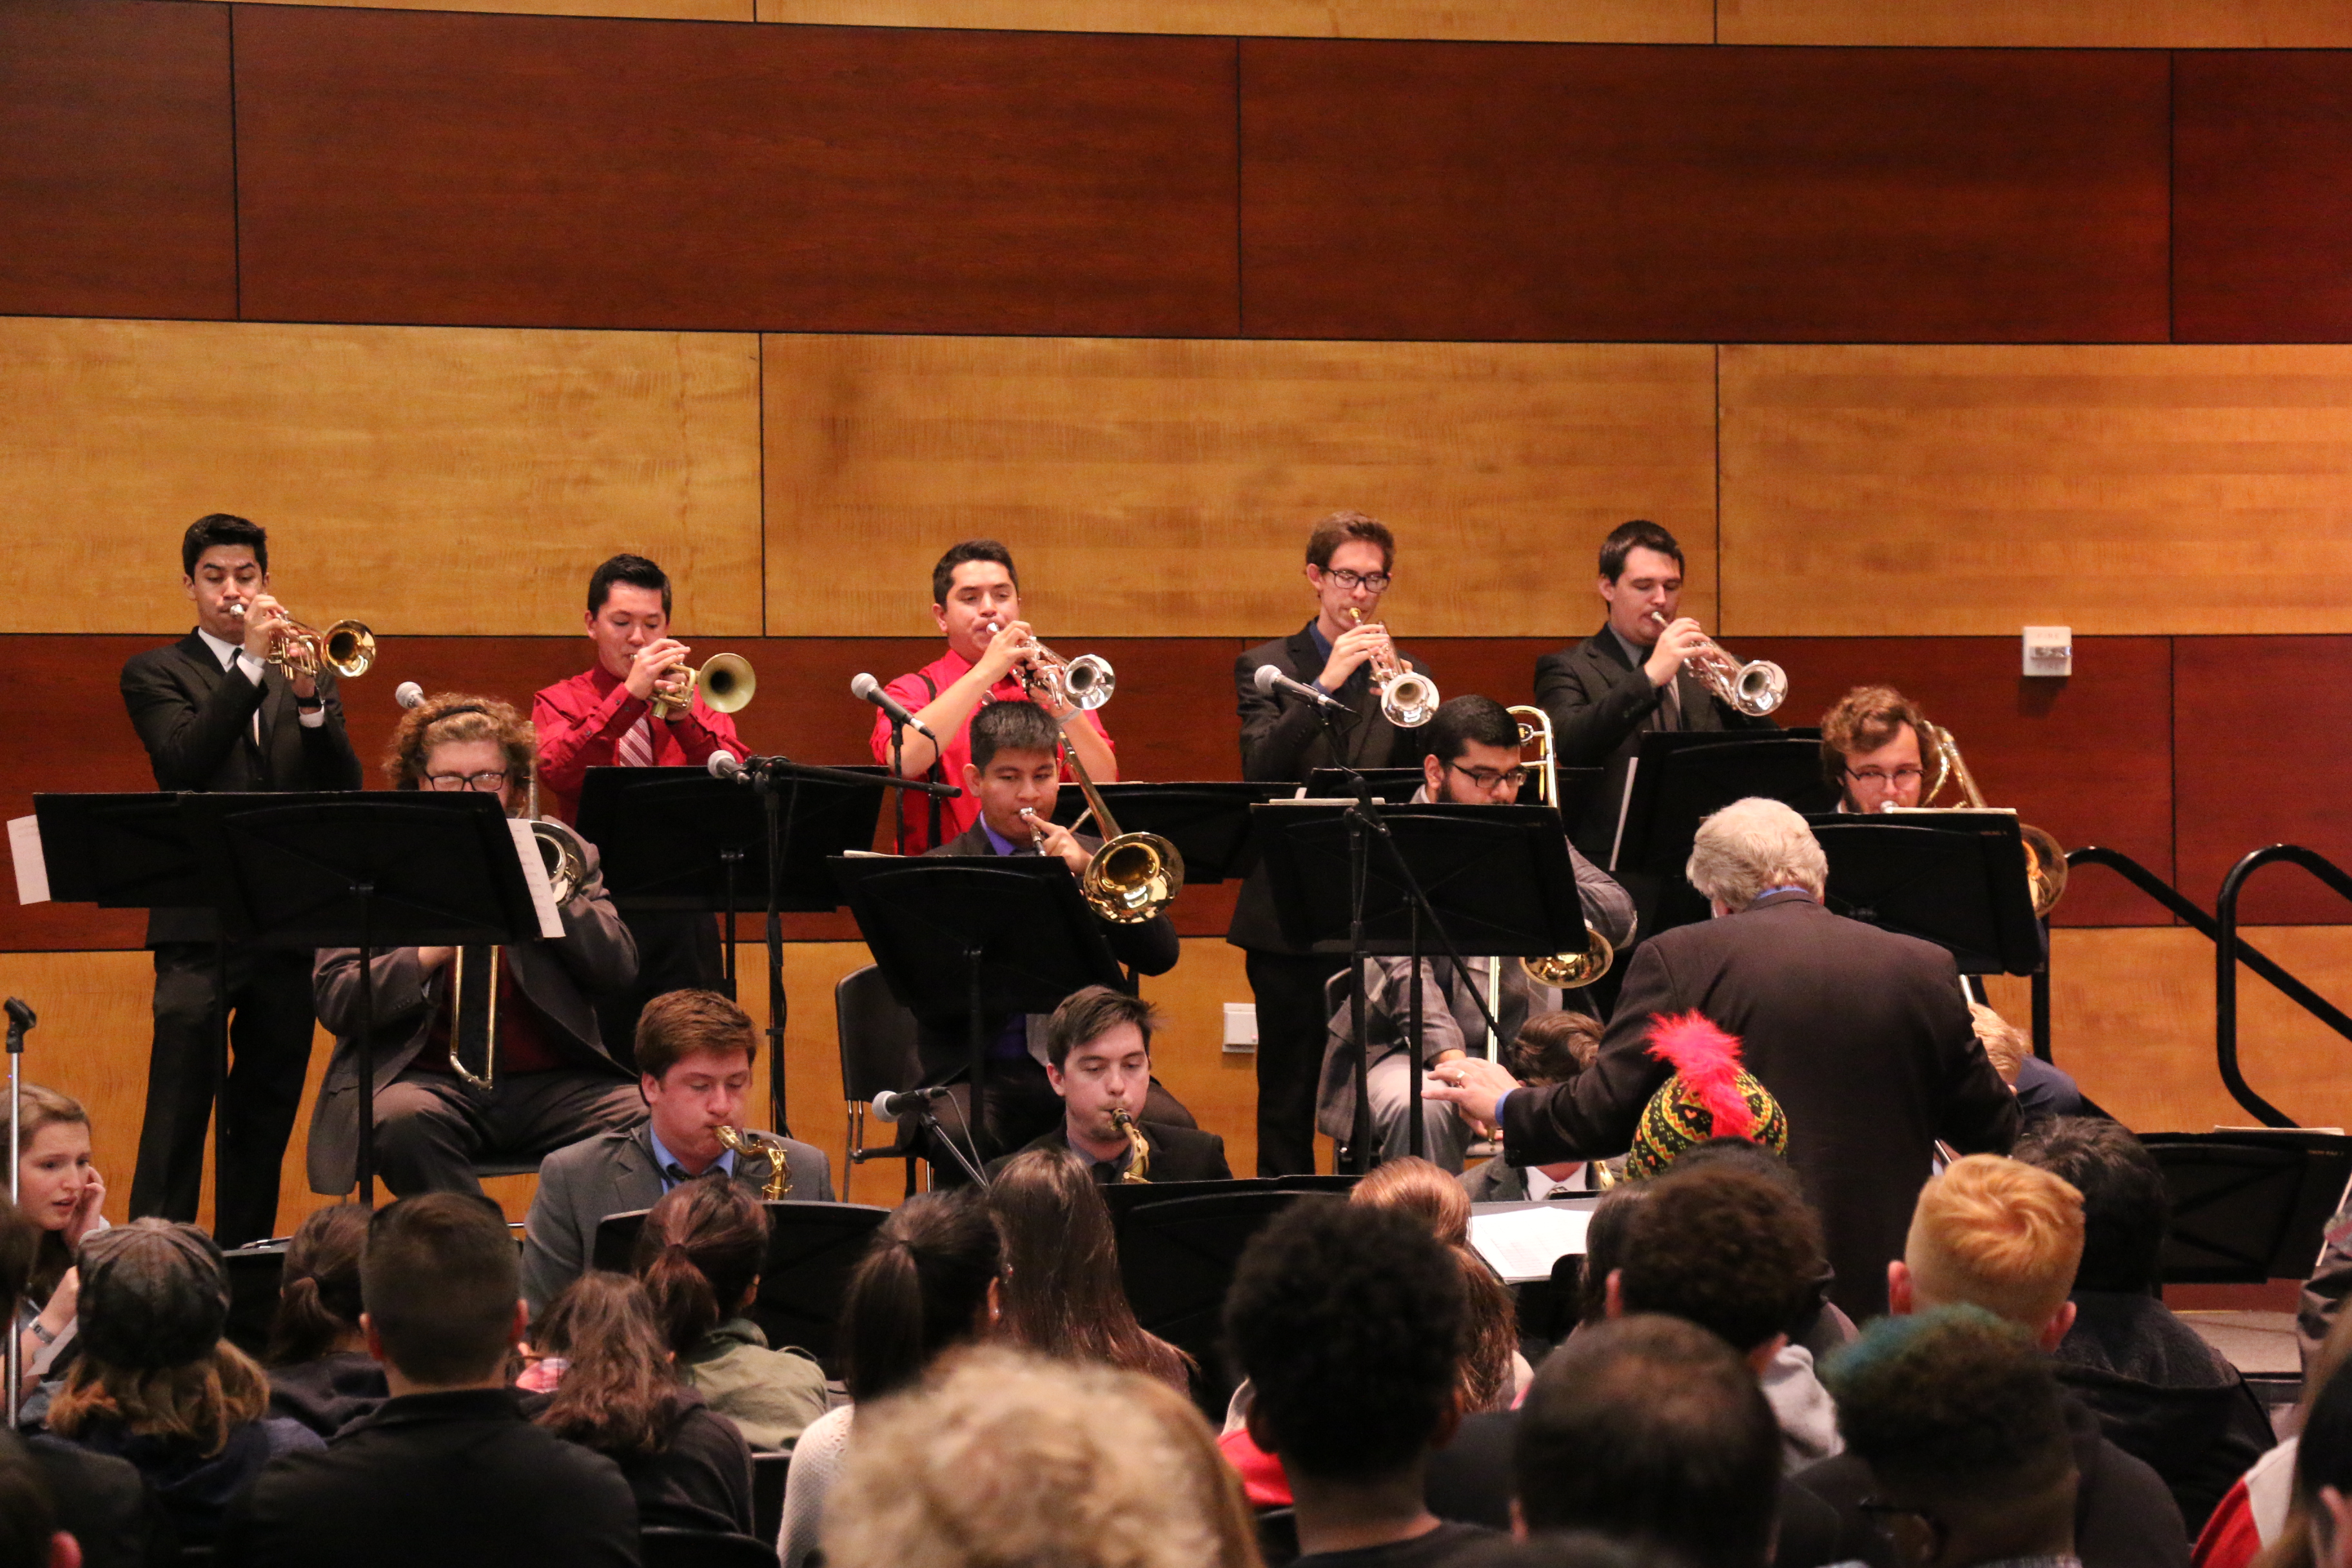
(1209, 822)
(959, 939)
(1682, 777)
(1176, 1261)
(2249, 1205)
(1953, 877)
(410, 869)
(1394, 785)
(1123, 1198)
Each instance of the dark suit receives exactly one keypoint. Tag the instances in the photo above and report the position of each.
(197, 722)
(431, 1126)
(1283, 741)
(1601, 705)
(1178, 1155)
(457, 1480)
(1860, 1034)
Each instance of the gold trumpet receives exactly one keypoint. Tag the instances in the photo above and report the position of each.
(749, 1142)
(1138, 1167)
(347, 647)
(1754, 689)
(1408, 698)
(1565, 970)
(2045, 862)
(726, 682)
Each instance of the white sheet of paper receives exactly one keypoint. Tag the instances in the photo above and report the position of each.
(534, 871)
(1523, 1244)
(32, 865)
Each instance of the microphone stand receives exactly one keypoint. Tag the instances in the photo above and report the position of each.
(924, 1116)
(20, 1019)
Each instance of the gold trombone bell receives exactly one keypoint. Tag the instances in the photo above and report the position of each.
(1566, 969)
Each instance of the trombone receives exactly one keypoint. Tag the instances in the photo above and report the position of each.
(1565, 970)
(726, 682)
(347, 647)
(1408, 698)
(2045, 862)
(1133, 876)
(1754, 689)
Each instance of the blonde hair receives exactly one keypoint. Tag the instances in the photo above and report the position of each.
(1996, 1233)
(202, 1403)
(1002, 1458)
(1753, 844)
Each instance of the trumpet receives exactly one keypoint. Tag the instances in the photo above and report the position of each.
(1086, 682)
(2045, 862)
(347, 647)
(748, 1143)
(1138, 1167)
(1754, 689)
(1565, 970)
(726, 682)
(1408, 698)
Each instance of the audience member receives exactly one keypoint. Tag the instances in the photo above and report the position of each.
(2259, 1515)
(618, 1396)
(1003, 1457)
(1550, 1048)
(699, 1257)
(1350, 1321)
(2004, 1237)
(1958, 1417)
(2323, 1478)
(1651, 1429)
(1821, 1327)
(1493, 1370)
(1710, 1099)
(60, 1191)
(157, 1385)
(319, 1370)
(1061, 1291)
(449, 1472)
(29, 1532)
(2162, 1392)
(928, 1283)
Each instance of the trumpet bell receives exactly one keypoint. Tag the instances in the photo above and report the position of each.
(1089, 681)
(1759, 687)
(2045, 868)
(1132, 878)
(1410, 700)
(1571, 970)
(348, 648)
(726, 682)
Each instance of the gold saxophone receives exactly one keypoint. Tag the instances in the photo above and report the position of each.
(1138, 1168)
(747, 1141)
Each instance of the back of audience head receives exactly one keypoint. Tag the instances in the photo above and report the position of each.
(29, 1536)
(1350, 1321)
(1553, 1047)
(1605, 1241)
(2125, 1209)
(318, 1302)
(1653, 1430)
(2323, 1473)
(1996, 1234)
(618, 1393)
(1061, 1293)
(154, 1301)
(1732, 1251)
(2295, 1545)
(442, 1284)
(923, 1286)
(700, 1256)
(1001, 1457)
(1427, 1193)
(1957, 1415)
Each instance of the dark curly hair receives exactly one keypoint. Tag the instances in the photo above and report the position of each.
(1350, 1322)
(1730, 1251)
(1951, 1404)
(2125, 1209)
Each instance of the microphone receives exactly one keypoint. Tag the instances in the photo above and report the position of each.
(408, 694)
(1270, 680)
(867, 689)
(723, 765)
(891, 1106)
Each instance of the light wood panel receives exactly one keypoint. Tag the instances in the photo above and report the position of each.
(1565, 21)
(1915, 490)
(1168, 486)
(422, 480)
(2041, 23)
(662, 10)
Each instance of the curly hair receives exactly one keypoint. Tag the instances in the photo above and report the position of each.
(620, 1393)
(1728, 1249)
(1421, 1189)
(1350, 1321)
(452, 716)
(1950, 1404)
(2125, 1209)
(1863, 720)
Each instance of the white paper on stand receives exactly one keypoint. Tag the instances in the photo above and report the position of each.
(534, 871)
(1523, 1244)
(32, 865)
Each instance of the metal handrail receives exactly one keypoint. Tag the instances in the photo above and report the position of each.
(2229, 950)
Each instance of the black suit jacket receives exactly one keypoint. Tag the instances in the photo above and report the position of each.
(451, 1479)
(1601, 704)
(1283, 741)
(1861, 1036)
(196, 721)
(1178, 1154)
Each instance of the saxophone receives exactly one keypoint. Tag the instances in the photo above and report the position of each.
(1139, 1169)
(745, 1141)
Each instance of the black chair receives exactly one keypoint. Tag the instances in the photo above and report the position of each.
(879, 1055)
(661, 1547)
(769, 1473)
(1278, 1536)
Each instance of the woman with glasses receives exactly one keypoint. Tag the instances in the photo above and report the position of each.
(1870, 749)
(545, 1076)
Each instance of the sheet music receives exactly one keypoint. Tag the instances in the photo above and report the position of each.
(534, 873)
(1523, 1244)
(32, 865)
(1623, 801)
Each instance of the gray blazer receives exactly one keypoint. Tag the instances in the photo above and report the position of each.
(583, 1184)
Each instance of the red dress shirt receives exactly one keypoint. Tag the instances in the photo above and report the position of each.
(581, 722)
(917, 692)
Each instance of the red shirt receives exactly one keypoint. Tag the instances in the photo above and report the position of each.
(917, 692)
(1262, 1474)
(581, 722)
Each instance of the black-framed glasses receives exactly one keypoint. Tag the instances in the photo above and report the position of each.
(488, 780)
(1378, 582)
(1902, 776)
(1487, 778)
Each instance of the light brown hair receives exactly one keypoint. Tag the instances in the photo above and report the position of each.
(1553, 1047)
(43, 1108)
(620, 1393)
(1863, 720)
(201, 1402)
(1342, 526)
(677, 1024)
(1421, 1189)
(450, 717)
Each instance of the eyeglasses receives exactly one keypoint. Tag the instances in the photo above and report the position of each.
(489, 783)
(1378, 582)
(1882, 777)
(1487, 778)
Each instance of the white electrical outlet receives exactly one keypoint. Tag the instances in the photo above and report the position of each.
(1241, 1025)
(2049, 650)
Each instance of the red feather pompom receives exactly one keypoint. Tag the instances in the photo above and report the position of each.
(1707, 1062)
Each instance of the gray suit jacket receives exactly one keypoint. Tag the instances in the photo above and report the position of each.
(584, 1184)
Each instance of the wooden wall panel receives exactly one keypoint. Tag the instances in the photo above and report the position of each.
(2041, 24)
(422, 480)
(1959, 490)
(2231, 800)
(1598, 21)
(117, 174)
(663, 10)
(512, 170)
(1167, 489)
(1449, 191)
(2262, 204)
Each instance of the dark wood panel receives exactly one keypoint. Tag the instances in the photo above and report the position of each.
(477, 169)
(117, 189)
(2263, 196)
(2232, 800)
(1434, 190)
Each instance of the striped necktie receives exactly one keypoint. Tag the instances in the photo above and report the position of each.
(637, 747)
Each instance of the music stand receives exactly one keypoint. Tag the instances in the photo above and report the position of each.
(1209, 822)
(812, 1249)
(961, 939)
(1679, 779)
(1176, 1261)
(1123, 1198)
(1394, 785)
(1953, 877)
(2249, 1205)
(407, 870)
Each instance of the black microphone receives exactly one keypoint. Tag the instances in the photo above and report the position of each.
(1270, 680)
(866, 688)
(890, 1106)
